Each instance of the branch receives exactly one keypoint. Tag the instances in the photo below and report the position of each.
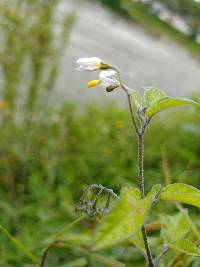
(45, 253)
(165, 250)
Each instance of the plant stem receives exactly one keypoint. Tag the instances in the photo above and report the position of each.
(132, 115)
(126, 90)
(140, 134)
(141, 163)
(44, 255)
(165, 250)
(141, 186)
(55, 242)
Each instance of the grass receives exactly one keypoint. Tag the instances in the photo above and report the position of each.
(48, 156)
(48, 164)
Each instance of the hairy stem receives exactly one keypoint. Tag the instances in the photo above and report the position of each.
(140, 134)
(126, 90)
(141, 164)
(141, 186)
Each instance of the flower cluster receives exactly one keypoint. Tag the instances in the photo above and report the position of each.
(108, 77)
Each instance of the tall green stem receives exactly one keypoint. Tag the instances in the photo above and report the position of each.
(141, 163)
(140, 134)
(141, 186)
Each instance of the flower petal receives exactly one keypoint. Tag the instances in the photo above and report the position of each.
(107, 73)
(91, 63)
(109, 78)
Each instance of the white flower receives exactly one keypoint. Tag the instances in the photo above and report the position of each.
(107, 78)
(90, 63)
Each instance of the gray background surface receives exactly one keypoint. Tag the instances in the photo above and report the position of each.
(143, 59)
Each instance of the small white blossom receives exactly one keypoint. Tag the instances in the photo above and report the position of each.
(108, 78)
(91, 63)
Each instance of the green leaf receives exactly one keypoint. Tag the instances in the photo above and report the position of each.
(126, 217)
(19, 245)
(185, 246)
(107, 261)
(182, 193)
(156, 189)
(137, 98)
(174, 227)
(152, 96)
(64, 230)
(167, 102)
(137, 241)
(193, 226)
(77, 239)
(76, 263)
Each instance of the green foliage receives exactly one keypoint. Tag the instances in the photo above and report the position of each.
(38, 193)
(66, 229)
(77, 263)
(107, 261)
(124, 219)
(186, 246)
(77, 239)
(152, 96)
(182, 193)
(22, 248)
(138, 242)
(47, 155)
(167, 102)
(31, 49)
(137, 98)
(175, 232)
(174, 227)
(155, 100)
(192, 224)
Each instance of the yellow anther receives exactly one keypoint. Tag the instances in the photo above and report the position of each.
(93, 83)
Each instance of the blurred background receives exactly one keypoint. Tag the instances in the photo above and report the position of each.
(57, 136)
